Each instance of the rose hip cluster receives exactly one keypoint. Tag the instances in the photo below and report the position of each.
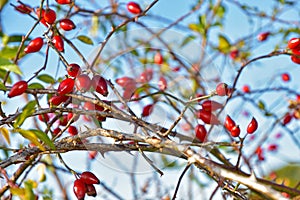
(235, 130)
(85, 185)
(48, 18)
(130, 85)
(294, 46)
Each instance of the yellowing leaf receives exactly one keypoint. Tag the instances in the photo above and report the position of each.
(5, 134)
(8, 66)
(17, 191)
(85, 39)
(224, 45)
(41, 171)
(30, 135)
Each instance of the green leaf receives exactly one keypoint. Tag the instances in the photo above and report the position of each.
(85, 39)
(44, 137)
(29, 194)
(261, 105)
(13, 38)
(8, 66)
(9, 52)
(26, 112)
(30, 135)
(187, 39)
(46, 78)
(2, 86)
(35, 86)
(224, 45)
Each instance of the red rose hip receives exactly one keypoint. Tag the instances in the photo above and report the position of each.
(89, 178)
(147, 110)
(134, 8)
(58, 43)
(222, 89)
(73, 70)
(200, 132)
(100, 85)
(17, 89)
(229, 123)
(252, 126)
(66, 86)
(49, 16)
(235, 131)
(34, 45)
(207, 117)
(67, 24)
(294, 44)
(23, 9)
(63, 1)
(83, 83)
(79, 189)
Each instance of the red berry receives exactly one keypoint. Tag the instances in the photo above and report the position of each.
(229, 123)
(43, 117)
(285, 77)
(162, 83)
(79, 189)
(100, 85)
(272, 147)
(91, 191)
(252, 126)
(147, 110)
(73, 70)
(56, 131)
(72, 130)
(49, 16)
(40, 14)
(73, 117)
(128, 92)
(207, 117)
(222, 89)
(67, 24)
(200, 132)
(287, 119)
(246, 88)
(63, 121)
(234, 54)
(83, 83)
(92, 154)
(17, 89)
(263, 36)
(158, 58)
(146, 76)
(34, 45)
(58, 43)
(210, 105)
(259, 152)
(90, 106)
(126, 82)
(23, 9)
(66, 86)
(134, 8)
(294, 44)
(295, 59)
(89, 178)
(235, 131)
(63, 1)
(56, 100)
